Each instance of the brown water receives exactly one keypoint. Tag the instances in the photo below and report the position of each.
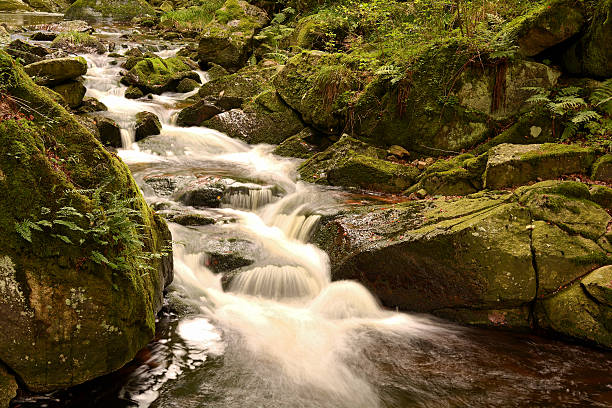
(26, 19)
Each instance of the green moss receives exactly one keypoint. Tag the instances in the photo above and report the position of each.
(192, 18)
(115, 9)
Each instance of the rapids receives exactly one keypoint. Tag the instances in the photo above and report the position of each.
(281, 333)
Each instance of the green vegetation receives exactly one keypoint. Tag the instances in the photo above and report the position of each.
(193, 18)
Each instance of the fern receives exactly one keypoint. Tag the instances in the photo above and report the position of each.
(602, 95)
(586, 116)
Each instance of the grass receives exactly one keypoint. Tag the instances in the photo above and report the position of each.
(192, 18)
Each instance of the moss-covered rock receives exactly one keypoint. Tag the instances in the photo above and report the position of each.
(109, 131)
(591, 54)
(197, 113)
(187, 85)
(297, 146)
(55, 180)
(351, 163)
(228, 39)
(460, 175)
(511, 165)
(26, 53)
(602, 169)
(14, 5)
(241, 86)
(147, 124)
(56, 71)
(8, 387)
(72, 92)
(78, 43)
(312, 32)
(51, 6)
(120, 10)
(582, 311)
(264, 120)
(546, 25)
(157, 75)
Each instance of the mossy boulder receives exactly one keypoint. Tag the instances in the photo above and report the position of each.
(602, 169)
(56, 71)
(460, 175)
(352, 163)
(157, 75)
(197, 113)
(313, 31)
(109, 131)
(228, 39)
(147, 124)
(55, 180)
(546, 25)
(187, 85)
(591, 54)
(299, 146)
(78, 43)
(511, 165)
(120, 10)
(50, 6)
(72, 92)
(241, 86)
(485, 259)
(26, 53)
(583, 311)
(266, 119)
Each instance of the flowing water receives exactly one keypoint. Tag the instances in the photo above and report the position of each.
(281, 334)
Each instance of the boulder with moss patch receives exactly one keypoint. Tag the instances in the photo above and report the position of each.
(352, 163)
(511, 165)
(227, 39)
(602, 169)
(147, 124)
(120, 10)
(72, 92)
(299, 146)
(56, 71)
(57, 180)
(157, 75)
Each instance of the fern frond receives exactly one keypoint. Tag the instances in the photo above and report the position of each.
(586, 116)
(570, 131)
(539, 99)
(570, 91)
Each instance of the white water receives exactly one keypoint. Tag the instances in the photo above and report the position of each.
(283, 322)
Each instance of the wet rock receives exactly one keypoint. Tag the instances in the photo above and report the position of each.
(14, 5)
(216, 71)
(238, 87)
(78, 26)
(72, 92)
(227, 39)
(8, 387)
(147, 124)
(545, 26)
(510, 165)
(120, 10)
(78, 43)
(398, 151)
(602, 169)
(55, 71)
(297, 146)
(110, 132)
(472, 258)
(191, 219)
(166, 186)
(157, 75)
(133, 92)
(187, 85)
(351, 163)
(197, 113)
(90, 105)
(264, 120)
(43, 36)
(25, 52)
(206, 192)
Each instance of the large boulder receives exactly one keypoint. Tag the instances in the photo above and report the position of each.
(511, 165)
(25, 52)
(484, 259)
(157, 75)
(14, 5)
(545, 26)
(121, 10)
(77, 42)
(264, 120)
(602, 169)
(56, 71)
(72, 92)
(591, 54)
(228, 39)
(352, 163)
(196, 114)
(79, 243)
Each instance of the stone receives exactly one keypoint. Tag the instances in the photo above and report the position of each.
(187, 85)
(119, 10)
(197, 113)
(72, 92)
(351, 163)
(147, 124)
(14, 5)
(43, 36)
(8, 387)
(545, 26)
(5, 37)
(157, 75)
(26, 53)
(78, 43)
(227, 39)
(91, 105)
(56, 71)
(110, 132)
(297, 146)
(510, 165)
(133, 92)
(602, 169)
(202, 193)
(591, 54)
(398, 151)
(107, 315)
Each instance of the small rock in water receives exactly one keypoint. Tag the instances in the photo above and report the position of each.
(43, 36)
(110, 132)
(147, 124)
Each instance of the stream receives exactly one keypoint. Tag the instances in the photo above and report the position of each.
(281, 334)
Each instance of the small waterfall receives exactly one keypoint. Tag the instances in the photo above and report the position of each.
(248, 198)
(277, 282)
